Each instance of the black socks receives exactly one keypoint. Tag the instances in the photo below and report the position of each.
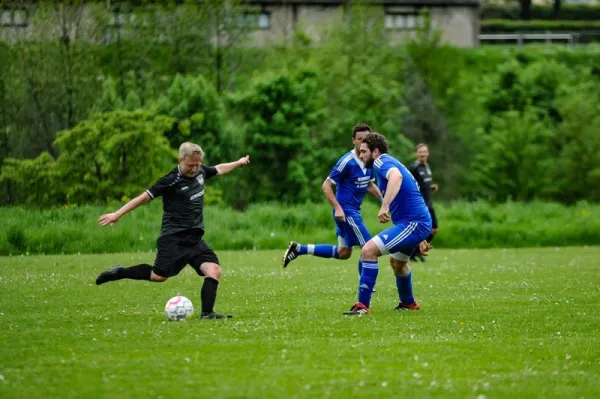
(138, 272)
(209, 294)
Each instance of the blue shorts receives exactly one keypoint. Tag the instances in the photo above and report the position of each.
(401, 239)
(352, 232)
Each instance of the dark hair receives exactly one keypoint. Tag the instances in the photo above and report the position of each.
(376, 140)
(421, 145)
(360, 127)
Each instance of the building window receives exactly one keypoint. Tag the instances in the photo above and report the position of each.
(403, 20)
(264, 20)
(117, 19)
(255, 20)
(14, 17)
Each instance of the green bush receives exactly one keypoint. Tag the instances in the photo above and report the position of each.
(567, 11)
(507, 25)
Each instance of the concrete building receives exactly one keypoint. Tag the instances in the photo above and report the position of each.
(274, 22)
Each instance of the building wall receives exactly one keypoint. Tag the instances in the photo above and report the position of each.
(285, 19)
(281, 29)
(459, 24)
(314, 20)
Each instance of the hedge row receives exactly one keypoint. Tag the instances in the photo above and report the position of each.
(544, 12)
(272, 226)
(507, 25)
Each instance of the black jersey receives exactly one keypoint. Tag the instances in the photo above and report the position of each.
(422, 174)
(183, 200)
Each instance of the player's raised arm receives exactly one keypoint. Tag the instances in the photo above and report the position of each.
(112, 218)
(224, 168)
(327, 188)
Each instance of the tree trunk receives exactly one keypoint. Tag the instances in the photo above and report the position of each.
(556, 9)
(525, 9)
(219, 67)
(98, 171)
(68, 79)
(65, 40)
(218, 54)
(119, 44)
(124, 165)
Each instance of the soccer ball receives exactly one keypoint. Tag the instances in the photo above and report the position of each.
(179, 308)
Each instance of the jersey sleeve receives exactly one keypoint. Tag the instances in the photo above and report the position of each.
(385, 169)
(162, 186)
(209, 171)
(339, 170)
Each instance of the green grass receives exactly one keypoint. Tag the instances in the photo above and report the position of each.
(270, 226)
(494, 323)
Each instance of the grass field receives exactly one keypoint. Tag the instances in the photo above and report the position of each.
(494, 323)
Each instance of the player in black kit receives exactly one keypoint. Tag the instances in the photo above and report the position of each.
(180, 241)
(422, 173)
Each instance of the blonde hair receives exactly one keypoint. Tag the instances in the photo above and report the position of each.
(188, 149)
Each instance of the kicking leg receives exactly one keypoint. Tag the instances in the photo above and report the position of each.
(320, 250)
(138, 272)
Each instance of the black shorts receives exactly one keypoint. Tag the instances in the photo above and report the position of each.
(434, 221)
(175, 251)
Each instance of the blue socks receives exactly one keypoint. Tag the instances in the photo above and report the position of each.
(320, 250)
(370, 270)
(360, 266)
(405, 292)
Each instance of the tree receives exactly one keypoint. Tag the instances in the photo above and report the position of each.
(279, 112)
(576, 165)
(56, 66)
(107, 157)
(32, 181)
(112, 155)
(226, 28)
(513, 164)
(198, 112)
(430, 72)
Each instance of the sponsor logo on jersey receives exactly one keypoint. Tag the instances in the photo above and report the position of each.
(200, 194)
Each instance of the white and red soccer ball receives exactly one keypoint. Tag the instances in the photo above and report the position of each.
(179, 308)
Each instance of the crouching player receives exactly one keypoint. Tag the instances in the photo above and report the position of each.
(403, 204)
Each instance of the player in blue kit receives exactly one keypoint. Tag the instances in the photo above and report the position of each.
(403, 204)
(352, 180)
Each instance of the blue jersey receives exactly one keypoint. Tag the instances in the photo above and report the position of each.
(408, 206)
(352, 179)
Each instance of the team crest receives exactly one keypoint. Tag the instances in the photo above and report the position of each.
(200, 179)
